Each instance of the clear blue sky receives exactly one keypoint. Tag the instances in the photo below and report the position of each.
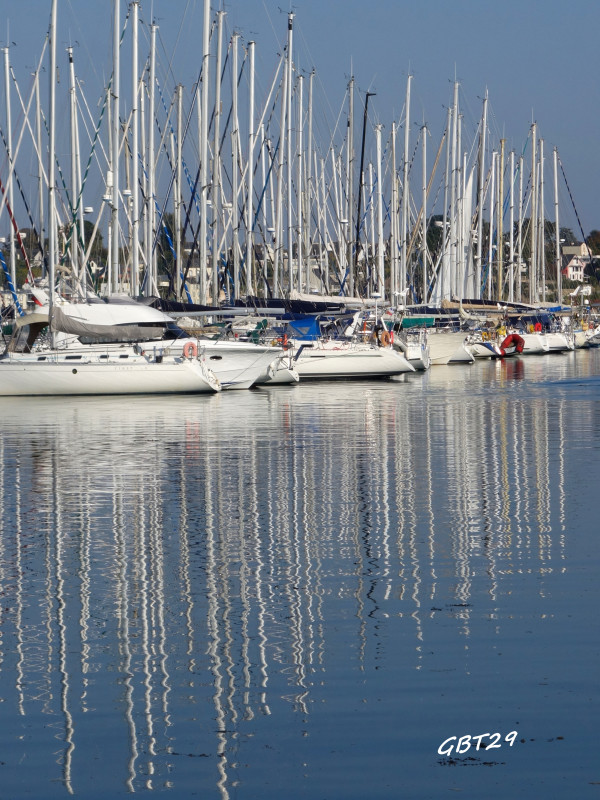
(538, 61)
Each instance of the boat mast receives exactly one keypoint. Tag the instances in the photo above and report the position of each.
(299, 179)
(405, 194)
(480, 188)
(490, 264)
(350, 180)
(250, 195)
(394, 222)
(38, 132)
(533, 295)
(273, 218)
(460, 211)
(308, 182)
(204, 156)
(150, 281)
(135, 212)
(75, 262)
(361, 178)
(453, 192)
(371, 251)
(557, 229)
(443, 277)
(542, 226)
(114, 276)
(9, 155)
(235, 167)
(335, 178)
(424, 218)
(143, 188)
(511, 234)
(321, 213)
(216, 162)
(520, 231)
(262, 279)
(51, 167)
(340, 212)
(278, 237)
(290, 218)
(380, 284)
(500, 213)
(177, 193)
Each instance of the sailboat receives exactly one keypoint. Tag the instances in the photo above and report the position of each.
(94, 347)
(111, 361)
(339, 358)
(447, 347)
(98, 373)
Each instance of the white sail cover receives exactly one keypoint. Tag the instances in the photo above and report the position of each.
(108, 322)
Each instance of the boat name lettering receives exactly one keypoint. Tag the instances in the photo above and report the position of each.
(463, 744)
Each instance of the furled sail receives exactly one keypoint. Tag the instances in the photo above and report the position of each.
(106, 322)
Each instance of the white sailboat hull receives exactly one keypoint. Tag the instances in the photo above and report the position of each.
(341, 360)
(68, 375)
(238, 365)
(416, 351)
(282, 374)
(535, 343)
(448, 347)
(558, 342)
(592, 337)
(580, 338)
(418, 356)
(481, 349)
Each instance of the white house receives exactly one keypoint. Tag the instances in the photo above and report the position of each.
(575, 259)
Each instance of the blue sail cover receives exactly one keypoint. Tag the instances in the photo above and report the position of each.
(304, 328)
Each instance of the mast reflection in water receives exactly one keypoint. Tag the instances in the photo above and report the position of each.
(303, 591)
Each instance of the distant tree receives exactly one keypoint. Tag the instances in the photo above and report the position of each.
(593, 241)
(98, 253)
(31, 243)
(568, 238)
(434, 235)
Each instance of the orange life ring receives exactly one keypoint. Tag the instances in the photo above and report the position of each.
(190, 350)
(385, 339)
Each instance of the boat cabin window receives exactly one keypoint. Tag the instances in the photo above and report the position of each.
(173, 331)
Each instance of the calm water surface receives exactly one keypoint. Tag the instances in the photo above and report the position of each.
(302, 592)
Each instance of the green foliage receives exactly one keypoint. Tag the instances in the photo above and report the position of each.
(593, 241)
(434, 234)
(98, 253)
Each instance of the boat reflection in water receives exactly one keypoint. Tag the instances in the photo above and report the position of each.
(230, 592)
